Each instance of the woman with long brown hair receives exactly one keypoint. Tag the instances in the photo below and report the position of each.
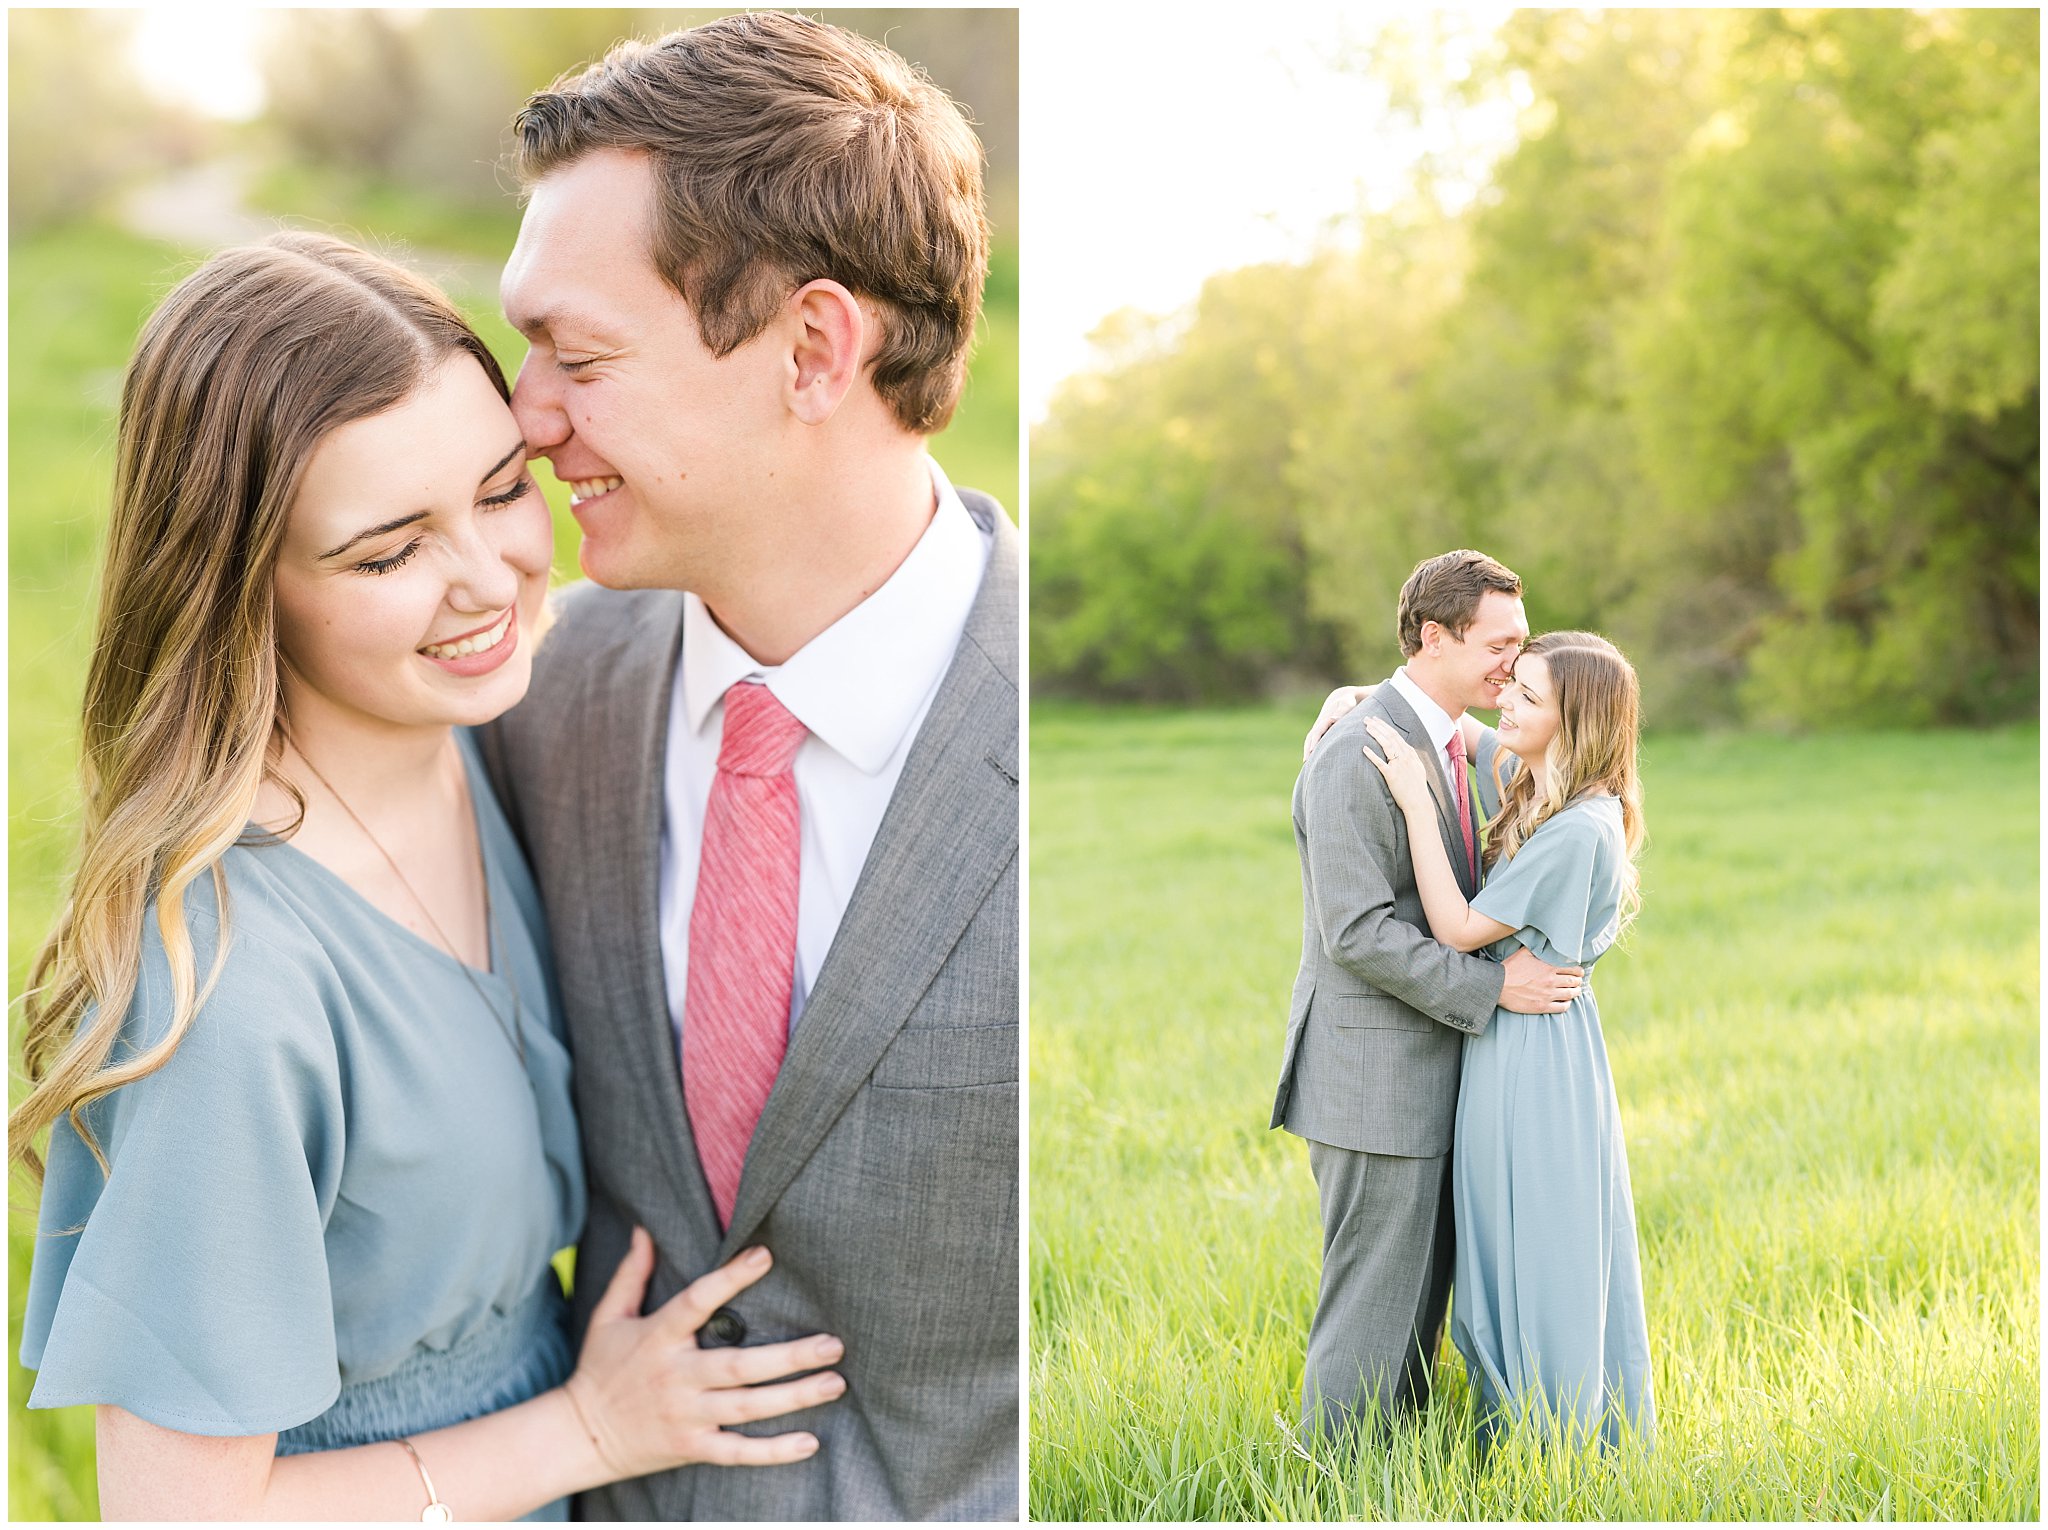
(294, 1039)
(1547, 1305)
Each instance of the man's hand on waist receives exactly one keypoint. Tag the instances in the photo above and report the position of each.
(1534, 987)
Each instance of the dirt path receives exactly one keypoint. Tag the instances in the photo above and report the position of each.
(206, 207)
(203, 206)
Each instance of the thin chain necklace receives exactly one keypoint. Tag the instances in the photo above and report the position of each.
(515, 1033)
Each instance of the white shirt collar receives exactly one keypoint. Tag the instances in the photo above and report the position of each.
(1436, 722)
(859, 684)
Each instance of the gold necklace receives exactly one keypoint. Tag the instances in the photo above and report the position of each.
(514, 1033)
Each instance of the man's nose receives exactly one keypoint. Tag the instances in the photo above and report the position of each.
(537, 405)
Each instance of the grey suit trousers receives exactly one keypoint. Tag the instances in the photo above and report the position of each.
(1388, 1251)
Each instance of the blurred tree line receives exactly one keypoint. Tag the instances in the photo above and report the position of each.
(422, 100)
(427, 97)
(1736, 359)
(78, 125)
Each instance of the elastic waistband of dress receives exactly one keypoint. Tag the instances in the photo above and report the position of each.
(510, 1356)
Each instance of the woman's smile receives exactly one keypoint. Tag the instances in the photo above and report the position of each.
(378, 638)
(480, 650)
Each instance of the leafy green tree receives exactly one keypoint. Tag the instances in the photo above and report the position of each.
(1167, 553)
(1368, 457)
(1736, 358)
(1902, 534)
(1963, 296)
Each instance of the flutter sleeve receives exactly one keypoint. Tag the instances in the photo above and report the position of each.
(189, 1284)
(1559, 893)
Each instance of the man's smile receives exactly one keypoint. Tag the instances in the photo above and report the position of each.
(583, 490)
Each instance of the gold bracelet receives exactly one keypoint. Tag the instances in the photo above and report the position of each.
(436, 1512)
(584, 1419)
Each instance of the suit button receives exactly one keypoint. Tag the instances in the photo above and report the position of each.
(725, 1326)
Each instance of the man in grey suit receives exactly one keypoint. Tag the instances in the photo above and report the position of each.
(1380, 1010)
(749, 273)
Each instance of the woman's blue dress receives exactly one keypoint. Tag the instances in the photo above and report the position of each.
(331, 1213)
(1548, 1297)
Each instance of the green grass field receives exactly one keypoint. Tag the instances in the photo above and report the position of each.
(77, 297)
(1823, 1034)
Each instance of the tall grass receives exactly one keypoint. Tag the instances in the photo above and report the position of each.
(1823, 1034)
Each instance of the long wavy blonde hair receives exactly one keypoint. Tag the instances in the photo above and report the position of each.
(1599, 711)
(241, 373)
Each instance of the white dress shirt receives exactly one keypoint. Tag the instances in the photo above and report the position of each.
(862, 687)
(1439, 725)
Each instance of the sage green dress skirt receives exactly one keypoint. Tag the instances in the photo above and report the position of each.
(1547, 1304)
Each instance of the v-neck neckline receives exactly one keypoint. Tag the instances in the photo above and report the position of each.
(494, 892)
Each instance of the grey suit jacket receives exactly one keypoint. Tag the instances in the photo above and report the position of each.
(1379, 1009)
(883, 1174)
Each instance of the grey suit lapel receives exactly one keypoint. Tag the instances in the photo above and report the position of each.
(950, 830)
(632, 685)
(1403, 717)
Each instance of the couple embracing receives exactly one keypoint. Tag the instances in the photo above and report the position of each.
(1444, 1057)
(374, 990)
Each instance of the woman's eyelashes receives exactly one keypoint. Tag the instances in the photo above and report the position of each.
(397, 560)
(404, 554)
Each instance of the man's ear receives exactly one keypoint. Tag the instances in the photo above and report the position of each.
(830, 340)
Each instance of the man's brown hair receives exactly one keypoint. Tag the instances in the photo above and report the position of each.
(1447, 590)
(786, 150)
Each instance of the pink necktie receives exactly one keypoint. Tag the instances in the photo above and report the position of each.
(742, 962)
(1460, 788)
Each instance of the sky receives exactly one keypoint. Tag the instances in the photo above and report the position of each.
(1157, 151)
(211, 68)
